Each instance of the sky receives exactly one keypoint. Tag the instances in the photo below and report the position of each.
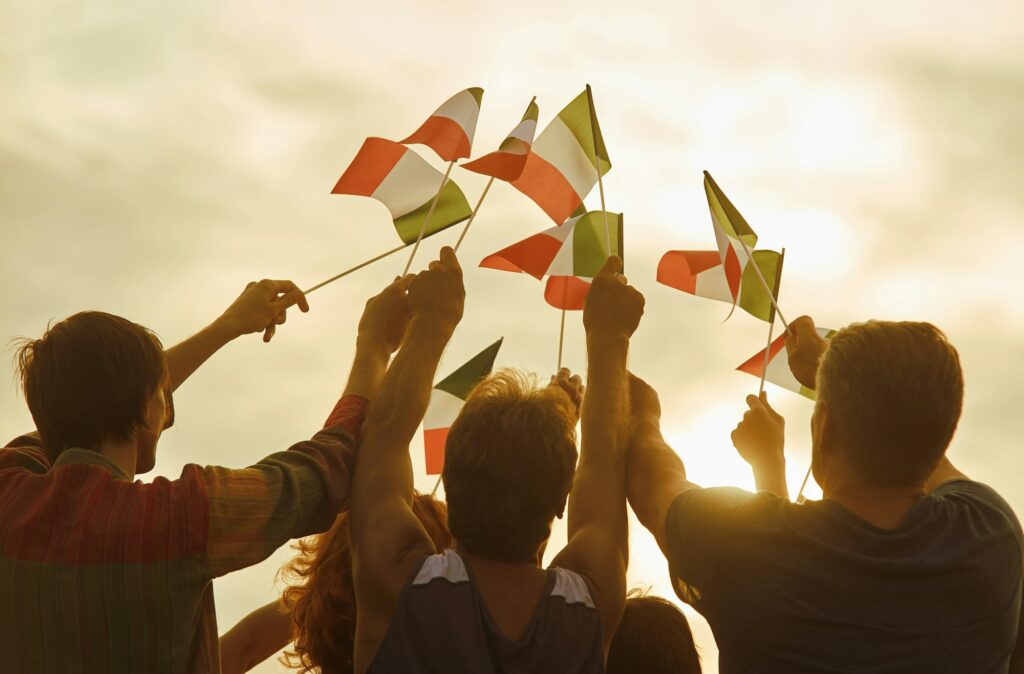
(155, 157)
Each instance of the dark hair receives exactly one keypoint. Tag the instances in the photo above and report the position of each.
(893, 394)
(90, 377)
(653, 637)
(320, 595)
(509, 463)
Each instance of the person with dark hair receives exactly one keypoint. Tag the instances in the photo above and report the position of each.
(100, 573)
(487, 605)
(653, 637)
(906, 565)
(317, 610)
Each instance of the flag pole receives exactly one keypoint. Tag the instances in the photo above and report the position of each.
(473, 214)
(750, 260)
(800, 494)
(600, 182)
(561, 337)
(356, 268)
(433, 205)
(433, 492)
(771, 323)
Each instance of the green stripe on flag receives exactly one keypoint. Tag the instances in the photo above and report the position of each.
(753, 297)
(477, 93)
(589, 243)
(462, 381)
(577, 117)
(728, 217)
(452, 208)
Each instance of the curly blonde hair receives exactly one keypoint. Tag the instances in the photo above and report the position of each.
(320, 596)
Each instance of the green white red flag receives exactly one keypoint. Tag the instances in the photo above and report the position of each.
(701, 273)
(449, 131)
(446, 401)
(509, 160)
(406, 184)
(776, 370)
(564, 163)
(730, 227)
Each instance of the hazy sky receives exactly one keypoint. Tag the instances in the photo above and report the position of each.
(154, 157)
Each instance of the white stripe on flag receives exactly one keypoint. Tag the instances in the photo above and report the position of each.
(559, 147)
(525, 131)
(712, 284)
(409, 185)
(442, 409)
(462, 109)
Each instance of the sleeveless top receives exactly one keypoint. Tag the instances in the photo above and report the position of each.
(442, 625)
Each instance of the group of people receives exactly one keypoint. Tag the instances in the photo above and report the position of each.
(905, 565)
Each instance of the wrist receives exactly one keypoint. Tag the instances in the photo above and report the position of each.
(431, 330)
(769, 461)
(605, 340)
(224, 329)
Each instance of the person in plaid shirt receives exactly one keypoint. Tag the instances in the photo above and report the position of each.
(102, 573)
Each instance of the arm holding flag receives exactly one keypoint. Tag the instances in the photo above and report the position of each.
(598, 546)
(759, 438)
(387, 538)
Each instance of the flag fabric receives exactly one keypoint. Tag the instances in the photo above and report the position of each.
(778, 371)
(701, 273)
(449, 131)
(446, 402)
(508, 161)
(404, 182)
(730, 227)
(563, 165)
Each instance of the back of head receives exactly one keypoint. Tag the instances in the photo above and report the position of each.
(509, 463)
(893, 392)
(320, 595)
(89, 378)
(654, 637)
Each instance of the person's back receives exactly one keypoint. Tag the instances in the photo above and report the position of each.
(442, 620)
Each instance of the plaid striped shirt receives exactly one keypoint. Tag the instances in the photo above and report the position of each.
(101, 574)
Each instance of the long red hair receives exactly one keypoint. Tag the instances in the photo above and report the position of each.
(320, 595)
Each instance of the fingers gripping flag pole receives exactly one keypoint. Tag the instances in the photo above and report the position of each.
(771, 321)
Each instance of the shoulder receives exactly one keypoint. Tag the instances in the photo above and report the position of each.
(446, 566)
(571, 587)
(25, 452)
(721, 506)
(983, 503)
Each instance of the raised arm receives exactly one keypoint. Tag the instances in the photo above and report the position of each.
(759, 438)
(598, 545)
(255, 638)
(655, 475)
(387, 538)
(260, 308)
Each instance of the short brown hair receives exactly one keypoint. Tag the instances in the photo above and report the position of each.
(509, 463)
(653, 636)
(893, 393)
(90, 377)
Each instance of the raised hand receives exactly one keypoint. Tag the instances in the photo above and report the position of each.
(261, 307)
(613, 307)
(571, 386)
(385, 317)
(804, 347)
(760, 436)
(437, 296)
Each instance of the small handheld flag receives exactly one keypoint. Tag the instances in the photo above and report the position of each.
(508, 161)
(701, 273)
(449, 131)
(777, 369)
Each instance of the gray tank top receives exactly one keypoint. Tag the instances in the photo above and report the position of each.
(441, 625)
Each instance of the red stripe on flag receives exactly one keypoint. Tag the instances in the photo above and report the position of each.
(433, 446)
(755, 365)
(370, 167)
(566, 292)
(733, 272)
(532, 255)
(679, 268)
(500, 165)
(444, 136)
(546, 185)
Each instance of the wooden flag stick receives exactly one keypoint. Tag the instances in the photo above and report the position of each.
(473, 214)
(771, 323)
(561, 340)
(356, 268)
(433, 492)
(800, 494)
(433, 205)
(750, 261)
(600, 182)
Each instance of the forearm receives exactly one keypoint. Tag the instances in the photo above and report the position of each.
(770, 475)
(185, 358)
(255, 638)
(368, 369)
(655, 475)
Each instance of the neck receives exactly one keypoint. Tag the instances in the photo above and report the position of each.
(122, 452)
(885, 508)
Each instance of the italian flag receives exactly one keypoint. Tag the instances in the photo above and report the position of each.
(449, 131)
(778, 371)
(701, 273)
(446, 401)
(730, 227)
(570, 255)
(404, 182)
(564, 163)
(508, 161)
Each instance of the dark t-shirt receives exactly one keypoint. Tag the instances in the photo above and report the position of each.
(814, 588)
